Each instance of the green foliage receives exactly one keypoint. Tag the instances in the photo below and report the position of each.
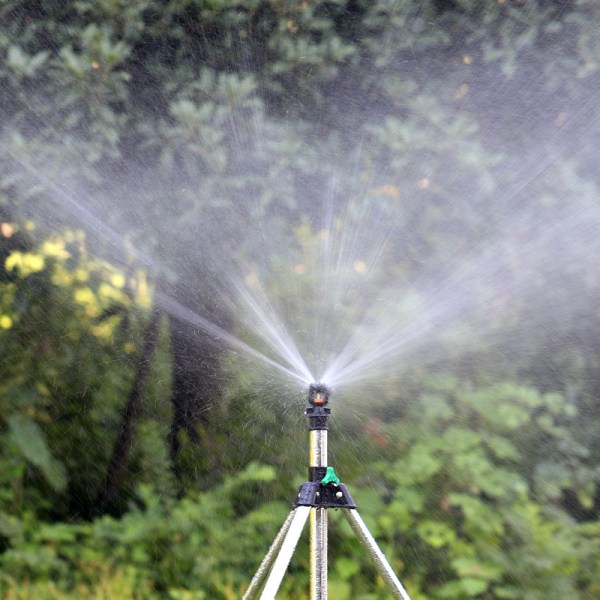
(207, 543)
(454, 513)
(60, 306)
(460, 501)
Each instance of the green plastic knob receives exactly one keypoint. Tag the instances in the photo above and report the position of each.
(330, 476)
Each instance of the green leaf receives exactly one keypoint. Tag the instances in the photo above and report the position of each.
(480, 518)
(474, 587)
(346, 567)
(463, 588)
(470, 567)
(10, 526)
(436, 534)
(508, 593)
(422, 463)
(339, 589)
(502, 448)
(29, 438)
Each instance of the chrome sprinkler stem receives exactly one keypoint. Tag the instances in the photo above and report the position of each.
(318, 419)
(318, 424)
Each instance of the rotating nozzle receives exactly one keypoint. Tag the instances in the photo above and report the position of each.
(318, 394)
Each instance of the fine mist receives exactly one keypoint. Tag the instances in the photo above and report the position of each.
(343, 287)
(457, 192)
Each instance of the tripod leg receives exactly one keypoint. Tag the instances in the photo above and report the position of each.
(267, 561)
(318, 554)
(370, 545)
(288, 546)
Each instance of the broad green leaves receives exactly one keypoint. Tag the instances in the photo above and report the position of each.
(459, 497)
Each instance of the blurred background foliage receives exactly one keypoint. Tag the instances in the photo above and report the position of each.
(136, 460)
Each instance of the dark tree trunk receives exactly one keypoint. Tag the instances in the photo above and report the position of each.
(196, 386)
(126, 438)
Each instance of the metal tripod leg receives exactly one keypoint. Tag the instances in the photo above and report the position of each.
(267, 561)
(370, 545)
(285, 542)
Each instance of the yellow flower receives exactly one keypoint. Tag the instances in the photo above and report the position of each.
(84, 296)
(117, 280)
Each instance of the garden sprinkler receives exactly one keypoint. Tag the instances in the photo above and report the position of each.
(322, 491)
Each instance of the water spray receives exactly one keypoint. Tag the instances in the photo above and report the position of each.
(322, 491)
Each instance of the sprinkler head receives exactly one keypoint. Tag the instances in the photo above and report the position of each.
(318, 394)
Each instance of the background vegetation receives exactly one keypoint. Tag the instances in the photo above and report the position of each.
(135, 459)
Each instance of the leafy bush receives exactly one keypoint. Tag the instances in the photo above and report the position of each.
(442, 490)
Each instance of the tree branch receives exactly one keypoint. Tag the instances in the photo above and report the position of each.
(125, 440)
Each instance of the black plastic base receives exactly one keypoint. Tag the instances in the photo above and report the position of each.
(317, 495)
(318, 417)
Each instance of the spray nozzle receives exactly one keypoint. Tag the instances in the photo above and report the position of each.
(318, 394)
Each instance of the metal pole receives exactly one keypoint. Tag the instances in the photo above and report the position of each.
(318, 424)
(318, 554)
(318, 521)
(267, 561)
(370, 545)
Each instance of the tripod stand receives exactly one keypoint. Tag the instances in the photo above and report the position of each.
(322, 491)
